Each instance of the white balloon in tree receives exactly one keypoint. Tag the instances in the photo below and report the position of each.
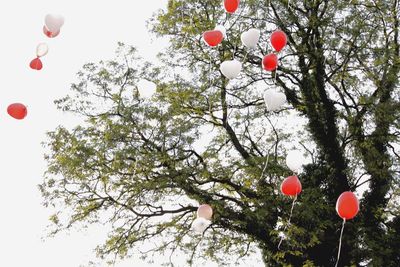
(273, 99)
(54, 22)
(294, 160)
(231, 68)
(200, 224)
(42, 49)
(222, 29)
(146, 88)
(250, 38)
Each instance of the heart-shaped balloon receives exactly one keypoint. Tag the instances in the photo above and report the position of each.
(231, 5)
(36, 64)
(291, 186)
(250, 38)
(274, 100)
(231, 68)
(54, 22)
(278, 40)
(294, 160)
(49, 33)
(222, 29)
(213, 38)
(42, 49)
(270, 62)
(17, 111)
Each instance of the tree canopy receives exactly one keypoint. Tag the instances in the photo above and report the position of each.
(143, 166)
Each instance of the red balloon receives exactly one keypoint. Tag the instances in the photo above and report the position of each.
(36, 64)
(291, 186)
(49, 33)
(270, 62)
(213, 38)
(231, 5)
(347, 205)
(278, 40)
(17, 111)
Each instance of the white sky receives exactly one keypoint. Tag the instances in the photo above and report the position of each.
(90, 33)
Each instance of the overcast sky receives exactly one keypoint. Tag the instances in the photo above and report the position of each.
(90, 33)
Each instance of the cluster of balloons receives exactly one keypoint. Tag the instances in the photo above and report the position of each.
(347, 204)
(51, 29)
(278, 41)
(250, 38)
(17, 111)
(203, 220)
(231, 68)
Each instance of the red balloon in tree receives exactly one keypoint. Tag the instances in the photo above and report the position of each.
(278, 40)
(270, 62)
(291, 186)
(213, 38)
(231, 5)
(347, 205)
(36, 64)
(17, 111)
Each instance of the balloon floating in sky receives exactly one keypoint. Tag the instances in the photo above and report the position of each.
(270, 62)
(278, 40)
(294, 160)
(231, 68)
(50, 34)
(231, 5)
(36, 64)
(54, 22)
(291, 186)
(146, 88)
(17, 111)
(274, 100)
(41, 50)
(205, 211)
(200, 224)
(250, 38)
(347, 205)
(213, 38)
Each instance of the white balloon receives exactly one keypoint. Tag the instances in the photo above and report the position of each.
(250, 38)
(146, 88)
(42, 49)
(274, 100)
(222, 29)
(54, 22)
(200, 224)
(231, 68)
(294, 160)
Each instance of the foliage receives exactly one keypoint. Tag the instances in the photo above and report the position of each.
(143, 166)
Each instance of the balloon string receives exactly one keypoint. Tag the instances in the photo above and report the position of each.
(209, 74)
(290, 217)
(265, 166)
(340, 243)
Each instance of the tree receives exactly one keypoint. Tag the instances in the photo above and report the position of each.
(136, 164)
